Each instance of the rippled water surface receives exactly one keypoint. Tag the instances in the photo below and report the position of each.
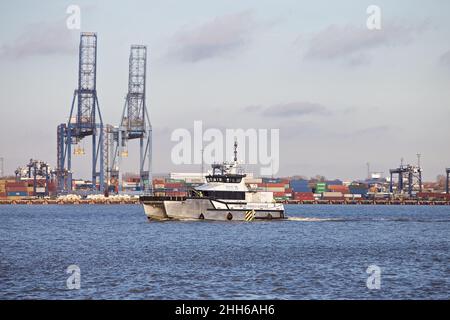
(321, 252)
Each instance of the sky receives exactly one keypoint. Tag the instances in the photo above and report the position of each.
(340, 94)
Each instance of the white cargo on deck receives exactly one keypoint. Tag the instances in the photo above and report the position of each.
(251, 180)
(266, 197)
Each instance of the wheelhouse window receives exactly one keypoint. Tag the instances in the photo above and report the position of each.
(226, 195)
(224, 179)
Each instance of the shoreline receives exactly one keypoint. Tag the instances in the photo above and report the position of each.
(366, 202)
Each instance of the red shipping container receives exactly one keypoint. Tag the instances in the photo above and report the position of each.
(272, 185)
(303, 196)
(338, 188)
(16, 184)
(433, 195)
(174, 185)
(16, 189)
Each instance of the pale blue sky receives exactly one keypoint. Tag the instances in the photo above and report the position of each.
(234, 64)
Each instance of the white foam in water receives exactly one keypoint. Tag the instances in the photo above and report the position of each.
(304, 219)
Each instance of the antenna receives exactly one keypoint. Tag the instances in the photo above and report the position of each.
(202, 161)
(235, 150)
(368, 170)
(271, 166)
(418, 159)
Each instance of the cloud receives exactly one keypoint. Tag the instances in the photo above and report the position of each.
(219, 37)
(41, 39)
(294, 109)
(372, 131)
(352, 43)
(253, 108)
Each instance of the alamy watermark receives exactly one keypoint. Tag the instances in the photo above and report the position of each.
(374, 19)
(73, 282)
(374, 280)
(73, 21)
(255, 146)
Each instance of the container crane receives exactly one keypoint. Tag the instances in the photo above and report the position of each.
(84, 120)
(135, 121)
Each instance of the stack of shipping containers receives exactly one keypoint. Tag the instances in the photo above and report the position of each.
(279, 187)
(320, 188)
(17, 190)
(358, 189)
(175, 187)
(3, 189)
(301, 190)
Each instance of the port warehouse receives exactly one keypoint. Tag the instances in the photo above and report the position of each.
(286, 190)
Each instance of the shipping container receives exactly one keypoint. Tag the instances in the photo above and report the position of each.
(16, 184)
(40, 190)
(352, 196)
(432, 195)
(174, 181)
(17, 194)
(282, 194)
(300, 186)
(333, 182)
(271, 180)
(271, 185)
(338, 188)
(14, 198)
(272, 189)
(321, 187)
(303, 196)
(358, 189)
(321, 184)
(17, 189)
(332, 195)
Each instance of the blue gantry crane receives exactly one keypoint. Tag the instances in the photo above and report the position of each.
(447, 171)
(135, 121)
(84, 120)
(413, 175)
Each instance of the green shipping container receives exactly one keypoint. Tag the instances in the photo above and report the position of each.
(321, 187)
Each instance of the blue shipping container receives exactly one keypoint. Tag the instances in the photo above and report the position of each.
(334, 182)
(300, 186)
(271, 180)
(18, 194)
(358, 190)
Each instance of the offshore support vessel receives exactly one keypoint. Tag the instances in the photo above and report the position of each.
(224, 196)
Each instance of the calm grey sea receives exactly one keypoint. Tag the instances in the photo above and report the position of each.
(321, 252)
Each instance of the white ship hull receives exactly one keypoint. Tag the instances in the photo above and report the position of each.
(208, 209)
